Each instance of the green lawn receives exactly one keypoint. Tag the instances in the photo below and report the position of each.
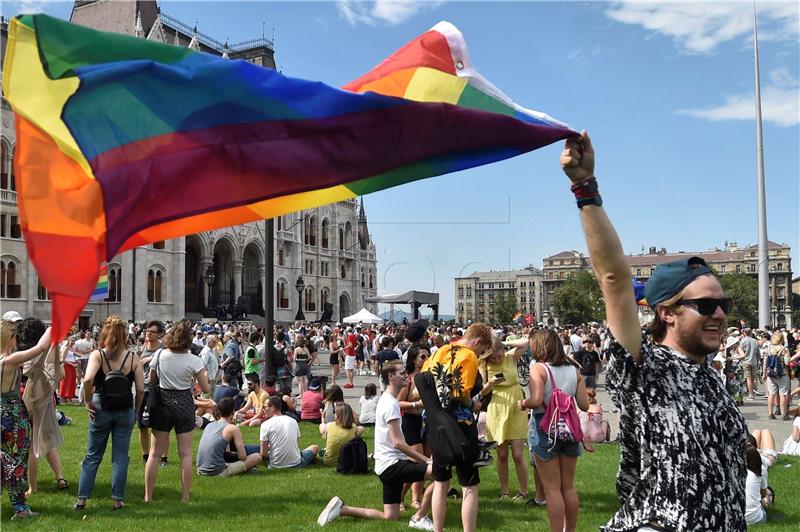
(292, 499)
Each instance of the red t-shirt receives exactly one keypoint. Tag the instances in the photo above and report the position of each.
(350, 348)
(312, 402)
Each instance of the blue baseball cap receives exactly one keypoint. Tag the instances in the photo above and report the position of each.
(672, 277)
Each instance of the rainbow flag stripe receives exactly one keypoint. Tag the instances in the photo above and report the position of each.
(123, 141)
(101, 290)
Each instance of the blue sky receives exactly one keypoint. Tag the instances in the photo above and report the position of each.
(665, 90)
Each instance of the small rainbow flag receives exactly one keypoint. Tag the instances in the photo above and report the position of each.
(100, 291)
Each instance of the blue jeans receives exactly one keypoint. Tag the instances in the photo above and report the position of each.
(119, 425)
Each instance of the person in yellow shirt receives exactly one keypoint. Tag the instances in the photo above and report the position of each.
(253, 409)
(447, 383)
(338, 432)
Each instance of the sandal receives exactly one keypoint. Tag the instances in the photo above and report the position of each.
(504, 496)
(119, 506)
(520, 497)
(79, 506)
(62, 484)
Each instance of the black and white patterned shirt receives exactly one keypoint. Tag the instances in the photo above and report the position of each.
(682, 443)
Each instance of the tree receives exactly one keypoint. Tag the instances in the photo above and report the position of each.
(579, 300)
(504, 308)
(743, 290)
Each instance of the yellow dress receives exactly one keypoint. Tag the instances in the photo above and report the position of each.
(504, 420)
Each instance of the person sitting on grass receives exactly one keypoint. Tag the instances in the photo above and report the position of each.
(396, 462)
(214, 443)
(253, 409)
(227, 389)
(279, 437)
(311, 403)
(368, 402)
(340, 431)
(758, 495)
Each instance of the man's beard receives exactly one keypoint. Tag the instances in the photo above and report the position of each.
(693, 344)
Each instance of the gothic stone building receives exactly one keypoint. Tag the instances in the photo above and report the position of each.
(329, 246)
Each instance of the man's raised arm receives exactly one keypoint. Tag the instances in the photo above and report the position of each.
(605, 248)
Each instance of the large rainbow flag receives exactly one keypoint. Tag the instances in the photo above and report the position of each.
(123, 141)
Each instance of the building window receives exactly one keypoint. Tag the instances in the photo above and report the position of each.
(779, 266)
(280, 293)
(158, 245)
(9, 286)
(344, 272)
(114, 285)
(738, 268)
(325, 231)
(6, 168)
(280, 258)
(41, 291)
(280, 223)
(722, 269)
(155, 286)
(311, 230)
(638, 272)
(323, 298)
(310, 304)
(371, 283)
(341, 239)
(14, 230)
(363, 279)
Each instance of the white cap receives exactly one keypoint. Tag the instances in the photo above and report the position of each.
(13, 316)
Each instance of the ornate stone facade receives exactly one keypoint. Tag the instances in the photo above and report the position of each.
(329, 246)
(476, 293)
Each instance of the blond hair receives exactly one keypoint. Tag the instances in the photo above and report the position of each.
(114, 336)
(8, 336)
(777, 338)
(343, 415)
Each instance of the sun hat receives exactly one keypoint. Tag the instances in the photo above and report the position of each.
(720, 358)
(672, 277)
(731, 341)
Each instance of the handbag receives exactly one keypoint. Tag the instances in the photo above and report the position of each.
(152, 397)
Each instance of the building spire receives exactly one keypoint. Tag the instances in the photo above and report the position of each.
(361, 214)
(138, 30)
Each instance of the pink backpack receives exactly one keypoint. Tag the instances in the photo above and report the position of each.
(560, 421)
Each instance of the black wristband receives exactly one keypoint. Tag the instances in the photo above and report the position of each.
(594, 200)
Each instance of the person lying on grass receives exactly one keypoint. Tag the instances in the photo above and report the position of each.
(396, 462)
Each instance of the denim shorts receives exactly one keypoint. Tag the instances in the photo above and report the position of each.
(541, 446)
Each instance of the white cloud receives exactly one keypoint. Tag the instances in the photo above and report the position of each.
(780, 103)
(31, 6)
(381, 11)
(699, 27)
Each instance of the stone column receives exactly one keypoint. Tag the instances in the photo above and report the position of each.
(205, 262)
(237, 280)
(178, 281)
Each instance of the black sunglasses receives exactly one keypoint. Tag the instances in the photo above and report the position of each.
(707, 306)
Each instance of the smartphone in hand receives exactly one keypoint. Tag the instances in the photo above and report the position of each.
(499, 377)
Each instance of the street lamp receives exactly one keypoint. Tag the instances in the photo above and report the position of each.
(299, 285)
(209, 277)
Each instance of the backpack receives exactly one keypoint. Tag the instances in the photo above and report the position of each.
(353, 458)
(116, 393)
(279, 357)
(774, 367)
(560, 421)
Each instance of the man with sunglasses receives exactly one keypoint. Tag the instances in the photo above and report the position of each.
(682, 439)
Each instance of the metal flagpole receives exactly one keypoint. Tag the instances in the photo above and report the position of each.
(269, 292)
(763, 260)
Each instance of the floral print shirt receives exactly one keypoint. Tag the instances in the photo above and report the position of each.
(682, 443)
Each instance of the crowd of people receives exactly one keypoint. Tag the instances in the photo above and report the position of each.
(440, 398)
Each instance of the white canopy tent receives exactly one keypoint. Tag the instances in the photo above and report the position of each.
(363, 316)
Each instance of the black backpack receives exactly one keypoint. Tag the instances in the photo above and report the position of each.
(353, 458)
(774, 367)
(279, 356)
(116, 393)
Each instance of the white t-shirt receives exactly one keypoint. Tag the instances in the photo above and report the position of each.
(176, 370)
(385, 454)
(368, 407)
(282, 434)
(753, 511)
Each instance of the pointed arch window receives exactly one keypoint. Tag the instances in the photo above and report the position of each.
(325, 231)
(341, 240)
(155, 285)
(363, 279)
(41, 291)
(6, 167)
(310, 303)
(114, 285)
(283, 301)
(9, 287)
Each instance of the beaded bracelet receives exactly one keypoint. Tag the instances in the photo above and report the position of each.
(586, 192)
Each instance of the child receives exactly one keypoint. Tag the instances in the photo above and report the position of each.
(368, 402)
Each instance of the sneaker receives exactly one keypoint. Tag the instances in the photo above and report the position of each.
(453, 494)
(331, 512)
(772, 416)
(536, 502)
(786, 417)
(423, 523)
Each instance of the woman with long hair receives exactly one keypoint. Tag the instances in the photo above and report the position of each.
(302, 358)
(66, 388)
(174, 369)
(555, 461)
(15, 443)
(341, 430)
(106, 419)
(506, 424)
(411, 420)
